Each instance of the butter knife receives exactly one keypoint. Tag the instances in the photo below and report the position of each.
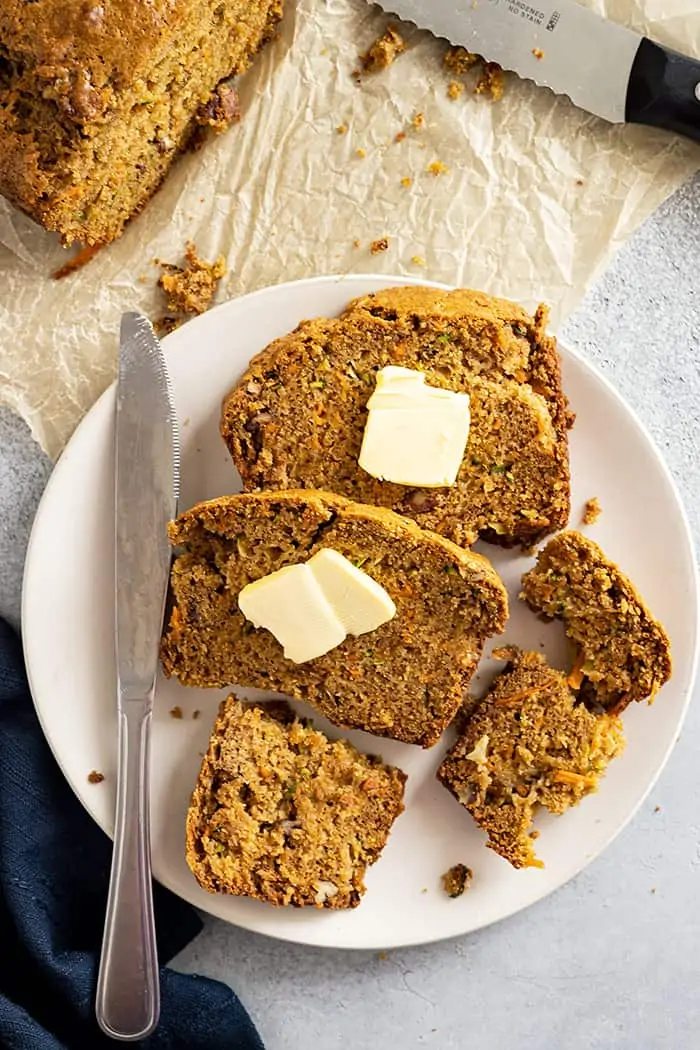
(602, 66)
(147, 469)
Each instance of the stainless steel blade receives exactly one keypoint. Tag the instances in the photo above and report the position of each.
(147, 488)
(580, 54)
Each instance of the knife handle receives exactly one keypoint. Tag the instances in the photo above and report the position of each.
(664, 90)
(128, 992)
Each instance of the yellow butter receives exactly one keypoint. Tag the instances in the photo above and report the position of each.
(311, 608)
(415, 434)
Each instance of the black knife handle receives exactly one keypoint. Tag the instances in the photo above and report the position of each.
(664, 90)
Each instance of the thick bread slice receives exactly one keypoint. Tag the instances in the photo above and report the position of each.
(527, 744)
(297, 417)
(405, 680)
(623, 653)
(283, 814)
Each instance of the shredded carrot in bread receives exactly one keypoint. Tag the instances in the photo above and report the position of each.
(576, 676)
(502, 701)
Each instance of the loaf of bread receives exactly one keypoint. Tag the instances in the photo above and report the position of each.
(622, 652)
(527, 744)
(403, 680)
(283, 814)
(298, 415)
(97, 99)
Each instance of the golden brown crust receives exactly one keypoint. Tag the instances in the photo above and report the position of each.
(98, 99)
(527, 744)
(297, 416)
(623, 653)
(405, 680)
(282, 814)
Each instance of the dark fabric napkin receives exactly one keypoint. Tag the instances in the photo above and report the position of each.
(54, 873)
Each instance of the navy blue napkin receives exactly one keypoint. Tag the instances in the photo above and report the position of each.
(54, 873)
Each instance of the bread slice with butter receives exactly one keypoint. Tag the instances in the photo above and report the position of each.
(285, 815)
(298, 417)
(404, 680)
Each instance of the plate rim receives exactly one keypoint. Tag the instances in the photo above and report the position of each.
(290, 934)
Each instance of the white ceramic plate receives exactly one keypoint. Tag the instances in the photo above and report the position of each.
(69, 641)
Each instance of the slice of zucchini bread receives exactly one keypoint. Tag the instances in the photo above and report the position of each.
(403, 680)
(283, 814)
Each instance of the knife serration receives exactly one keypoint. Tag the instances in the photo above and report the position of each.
(147, 479)
(561, 45)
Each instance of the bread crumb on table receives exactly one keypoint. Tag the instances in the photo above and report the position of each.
(591, 511)
(379, 245)
(176, 712)
(95, 778)
(383, 51)
(457, 880)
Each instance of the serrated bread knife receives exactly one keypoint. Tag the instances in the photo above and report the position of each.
(602, 66)
(147, 471)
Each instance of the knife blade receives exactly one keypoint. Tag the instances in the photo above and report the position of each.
(603, 67)
(147, 472)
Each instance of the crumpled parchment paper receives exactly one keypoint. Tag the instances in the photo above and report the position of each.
(537, 197)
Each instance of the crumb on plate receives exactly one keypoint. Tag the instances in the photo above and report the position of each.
(95, 778)
(592, 511)
(176, 712)
(457, 880)
(538, 53)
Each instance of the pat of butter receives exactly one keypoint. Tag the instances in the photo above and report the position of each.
(415, 434)
(311, 608)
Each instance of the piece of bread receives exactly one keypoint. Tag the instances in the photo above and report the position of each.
(283, 814)
(527, 744)
(404, 680)
(297, 417)
(623, 653)
(98, 99)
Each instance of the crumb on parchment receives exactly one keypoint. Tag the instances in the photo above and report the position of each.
(459, 61)
(361, 153)
(406, 182)
(437, 168)
(491, 81)
(356, 243)
(379, 245)
(592, 511)
(189, 288)
(342, 129)
(455, 90)
(418, 260)
(418, 121)
(457, 880)
(383, 51)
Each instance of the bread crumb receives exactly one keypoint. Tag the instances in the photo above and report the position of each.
(490, 81)
(383, 51)
(342, 129)
(176, 712)
(356, 243)
(165, 325)
(95, 778)
(418, 260)
(579, 182)
(437, 168)
(360, 152)
(400, 136)
(455, 90)
(591, 511)
(657, 809)
(382, 956)
(459, 61)
(190, 288)
(424, 890)
(406, 182)
(196, 713)
(418, 121)
(538, 53)
(653, 889)
(379, 245)
(457, 880)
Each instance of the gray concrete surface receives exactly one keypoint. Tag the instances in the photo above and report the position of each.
(611, 961)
